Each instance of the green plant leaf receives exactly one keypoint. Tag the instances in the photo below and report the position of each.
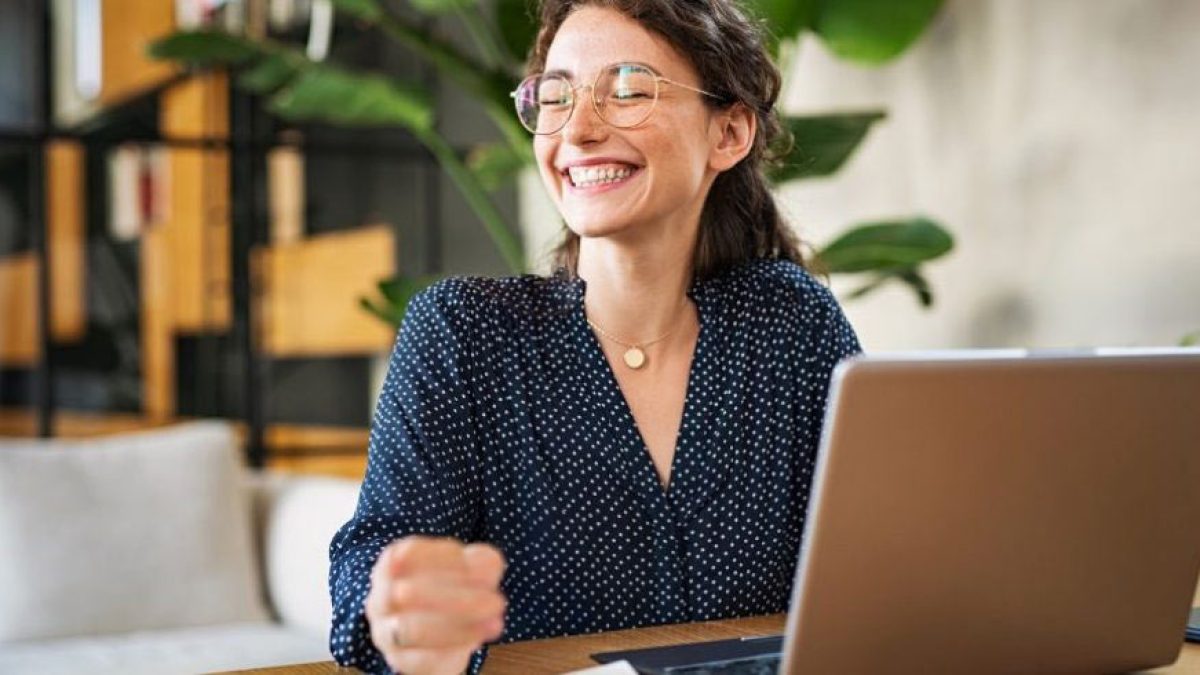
(517, 23)
(396, 293)
(872, 31)
(325, 93)
(911, 276)
(367, 10)
(504, 237)
(886, 247)
(1190, 340)
(490, 85)
(204, 48)
(270, 73)
(919, 284)
(869, 287)
(784, 18)
(442, 6)
(495, 164)
(821, 144)
(380, 311)
(332, 95)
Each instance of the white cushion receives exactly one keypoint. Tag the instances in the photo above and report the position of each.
(302, 515)
(234, 646)
(138, 531)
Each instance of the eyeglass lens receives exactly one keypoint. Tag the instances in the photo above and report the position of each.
(624, 97)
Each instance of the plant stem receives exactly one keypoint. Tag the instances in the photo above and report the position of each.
(493, 222)
(488, 85)
(514, 134)
(475, 77)
(483, 37)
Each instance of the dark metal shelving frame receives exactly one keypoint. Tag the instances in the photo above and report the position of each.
(247, 144)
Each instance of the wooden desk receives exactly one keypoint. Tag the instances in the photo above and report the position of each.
(558, 655)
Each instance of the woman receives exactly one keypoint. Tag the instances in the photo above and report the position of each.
(633, 436)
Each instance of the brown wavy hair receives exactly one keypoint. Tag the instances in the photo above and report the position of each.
(740, 221)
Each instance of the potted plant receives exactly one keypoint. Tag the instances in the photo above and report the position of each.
(297, 88)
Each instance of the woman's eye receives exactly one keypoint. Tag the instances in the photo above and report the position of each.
(625, 94)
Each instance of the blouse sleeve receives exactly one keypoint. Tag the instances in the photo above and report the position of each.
(830, 339)
(421, 475)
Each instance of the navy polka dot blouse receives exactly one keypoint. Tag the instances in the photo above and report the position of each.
(501, 421)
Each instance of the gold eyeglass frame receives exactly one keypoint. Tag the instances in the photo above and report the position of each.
(573, 88)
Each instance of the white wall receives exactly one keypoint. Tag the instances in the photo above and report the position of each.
(1059, 140)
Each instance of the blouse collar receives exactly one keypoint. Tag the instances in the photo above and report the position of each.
(568, 290)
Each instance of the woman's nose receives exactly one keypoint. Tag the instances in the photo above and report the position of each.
(585, 125)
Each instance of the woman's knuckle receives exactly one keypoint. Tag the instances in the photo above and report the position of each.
(404, 594)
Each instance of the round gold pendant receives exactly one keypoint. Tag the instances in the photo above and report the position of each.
(635, 358)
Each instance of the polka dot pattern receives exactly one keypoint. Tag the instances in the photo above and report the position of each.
(501, 421)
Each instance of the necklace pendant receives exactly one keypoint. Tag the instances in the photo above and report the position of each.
(635, 358)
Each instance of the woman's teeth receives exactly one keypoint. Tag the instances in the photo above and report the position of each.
(588, 176)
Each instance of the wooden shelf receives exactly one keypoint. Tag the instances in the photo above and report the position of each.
(310, 290)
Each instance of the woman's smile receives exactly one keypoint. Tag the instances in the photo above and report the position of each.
(598, 178)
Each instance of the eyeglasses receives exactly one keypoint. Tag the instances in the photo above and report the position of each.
(623, 95)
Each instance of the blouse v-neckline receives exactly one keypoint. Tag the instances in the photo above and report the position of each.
(614, 401)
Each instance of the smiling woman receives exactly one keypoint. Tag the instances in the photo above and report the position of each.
(629, 441)
(711, 45)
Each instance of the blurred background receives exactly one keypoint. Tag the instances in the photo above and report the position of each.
(213, 214)
(204, 258)
(1059, 142)
(203, 233)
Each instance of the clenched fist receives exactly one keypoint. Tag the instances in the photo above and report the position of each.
(433, 602)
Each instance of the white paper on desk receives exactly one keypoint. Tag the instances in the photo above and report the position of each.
(614, 668)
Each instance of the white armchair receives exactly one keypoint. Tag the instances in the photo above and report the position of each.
(157, 552)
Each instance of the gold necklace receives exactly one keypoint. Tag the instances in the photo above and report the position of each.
(635, 354)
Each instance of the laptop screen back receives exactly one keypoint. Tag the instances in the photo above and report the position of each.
(1036, 514)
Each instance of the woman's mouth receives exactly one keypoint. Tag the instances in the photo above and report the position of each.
(598, 177)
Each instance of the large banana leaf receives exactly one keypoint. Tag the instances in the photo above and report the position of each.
(302, 89)
(207, 48)
(891, 245)
(872, 31)
(889, 251)
(821, 144)
(350, 99)
(517, 23)
(784, 18)
(488, 83)
(271, 73)
(325, 93)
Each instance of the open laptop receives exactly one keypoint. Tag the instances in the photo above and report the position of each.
(991, 512)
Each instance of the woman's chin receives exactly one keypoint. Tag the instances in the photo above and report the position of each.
(597, 227)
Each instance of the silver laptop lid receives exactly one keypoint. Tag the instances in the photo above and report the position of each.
(1001, 513)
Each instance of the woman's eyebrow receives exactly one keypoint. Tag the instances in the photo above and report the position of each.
(566, 73)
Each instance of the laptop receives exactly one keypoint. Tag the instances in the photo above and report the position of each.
(990, 512)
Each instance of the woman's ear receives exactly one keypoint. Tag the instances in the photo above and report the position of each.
(732, 131)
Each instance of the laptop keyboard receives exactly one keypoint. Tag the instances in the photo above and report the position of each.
(765, 664)
(760, 655)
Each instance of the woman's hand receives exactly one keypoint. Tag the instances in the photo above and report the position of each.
(433, 602)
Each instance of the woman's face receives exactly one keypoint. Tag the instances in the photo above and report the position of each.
(666, 157)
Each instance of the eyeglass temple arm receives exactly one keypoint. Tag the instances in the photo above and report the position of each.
(688, 86)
